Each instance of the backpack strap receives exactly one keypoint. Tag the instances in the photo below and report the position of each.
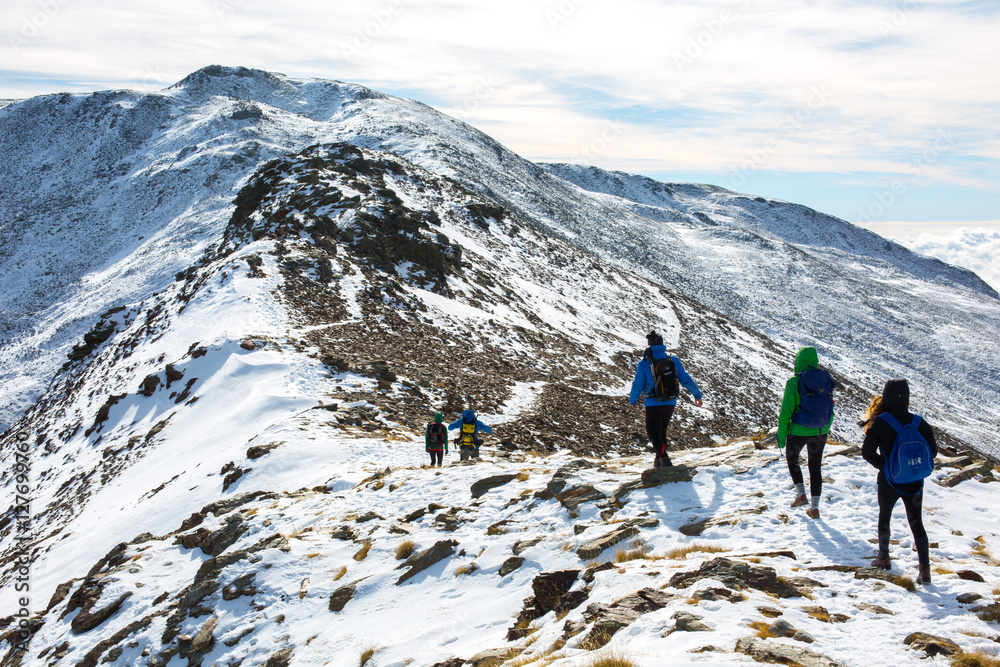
(893, 422)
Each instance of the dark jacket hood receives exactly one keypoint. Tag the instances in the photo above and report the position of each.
(896, 396)
(805, 359)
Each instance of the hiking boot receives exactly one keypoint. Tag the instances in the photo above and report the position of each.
(924, 575)
(800, 501)
(656, 462)
(812, 512)
(882, 562)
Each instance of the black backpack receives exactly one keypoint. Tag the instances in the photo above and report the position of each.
(435, 434)
(665, 385)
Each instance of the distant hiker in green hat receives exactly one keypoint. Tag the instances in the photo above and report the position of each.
(804, 421)
(436, 440)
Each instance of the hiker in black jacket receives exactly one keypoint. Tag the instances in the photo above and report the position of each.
(880, 439)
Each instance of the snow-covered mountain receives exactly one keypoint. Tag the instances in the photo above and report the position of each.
(267, 286)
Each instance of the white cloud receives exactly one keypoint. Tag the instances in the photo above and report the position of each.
(976, 248)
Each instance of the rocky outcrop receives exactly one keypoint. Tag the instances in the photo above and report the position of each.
(687, 622)
(696, 528)
(624, 531)
(653, 477)
(340, 597)
(510, 565)
(422, 560)
(738, 574)
(494, 656)
(932, 645)
(609, 619)
(551, 592)
(562, 476)
(763, 650)
(481, 487)
(572, 498)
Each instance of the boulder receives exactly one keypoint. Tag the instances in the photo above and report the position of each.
(763, 650)
(89, 618)
(874, 609)
(258, 451)
(609, 619)
(523, 545)
(562, 477)
(737, 574)
(340, 597)
(696, 528)
(510, 565)
(954, 479)
(781, 628)
(717, 594)
(932, 645)
(970, 575)
(572, 498)
(593, 548)
(688, 622)
(494, 656)
(968, 598)
(482, 486)
(656, 476)
(422, 560)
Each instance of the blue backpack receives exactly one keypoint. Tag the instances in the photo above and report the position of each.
(910, 459)
(815, 399)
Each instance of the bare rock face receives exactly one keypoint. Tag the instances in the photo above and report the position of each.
(422, 560)
(932, 645)
(667, 475)
(572, 498)
(551, 592)
(736, 574)
(494, 656)
(688, 622)
(609, 619)
(695, 528)
(763, 650)
(624, 531)
(510, 565)
(482, 486)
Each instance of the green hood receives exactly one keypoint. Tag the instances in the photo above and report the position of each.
(438, 418)
(805, 359)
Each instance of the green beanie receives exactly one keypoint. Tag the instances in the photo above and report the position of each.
(438, 418)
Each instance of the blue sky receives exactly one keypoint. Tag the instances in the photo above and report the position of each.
(877, 112)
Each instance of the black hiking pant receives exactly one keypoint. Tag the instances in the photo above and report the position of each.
(466, 452)
(887, 497)
(814, 447)
(657, 420)
(437, 457)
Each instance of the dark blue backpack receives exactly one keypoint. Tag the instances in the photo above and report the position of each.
(910, 459)
(815, 399)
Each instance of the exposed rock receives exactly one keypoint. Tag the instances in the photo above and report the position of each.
(62, 590)
(494, 656)
(213, 543)
(821, 614)
(968, 598)
(280, 659)
(523, 545)
(781, 628)
(572, 498)
(511, 564)
(874, 609)
(454, 662)
(762, 650)
(258, 451)
(414, 515)
(803, 636)
(149, 385)
(688, 622)
(344, 533)
(970, 575)
(737, 574)
(609, 619)
(88, 618)
(422, 560)
(581, 528)
(572, 628)
(954, 479)
(369, 516)
(589, 574)
(932, 645)
(652, 477)
(695, 528)
(878, 573)
(449, 520)
(551, 591)
(241, 586)
(203, 641)
(593, 548)
(340, 597)
(562, 477)
(770, 612)
(482, 486)
(717, 594)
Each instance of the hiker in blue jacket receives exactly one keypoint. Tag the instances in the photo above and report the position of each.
(468, 440)
(661, 389)
(880, 440)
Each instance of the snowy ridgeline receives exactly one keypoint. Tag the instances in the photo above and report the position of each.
(154, 175)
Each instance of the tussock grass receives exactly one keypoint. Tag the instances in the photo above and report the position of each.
(990, 613)
(941, 569)
(615, 658)
(464, 569)
(313, 555)
(763, 629)
(522, 476)
(405, 550)
(637, 550)
(680, 553)
(367, 655)
(904, 582)
(977, 658)
(362, 554)
(339, 574)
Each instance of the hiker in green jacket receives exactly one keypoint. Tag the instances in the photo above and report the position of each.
(804, 421)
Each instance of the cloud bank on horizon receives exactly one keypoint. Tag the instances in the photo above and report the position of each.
(975, 248)
(868, 110)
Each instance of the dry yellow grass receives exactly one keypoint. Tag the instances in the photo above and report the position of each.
(313, 555)
(363, 551)
(339, 574)
(977, 658)
(615, 658)
(405, 550)
(522, 476)
(637, 550)
(367, 655)
(763, 629)
(678, 553)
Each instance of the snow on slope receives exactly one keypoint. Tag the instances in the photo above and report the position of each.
(153, 175)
